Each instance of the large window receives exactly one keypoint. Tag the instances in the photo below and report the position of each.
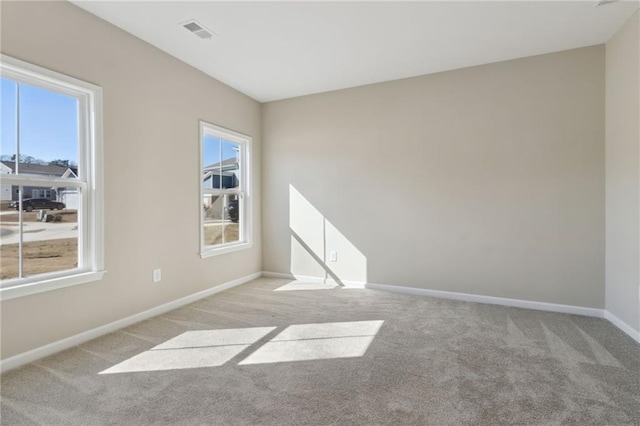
(226, 202)
(50, 182)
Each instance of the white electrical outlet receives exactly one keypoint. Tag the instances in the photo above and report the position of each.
(333, 256)
(157, 275)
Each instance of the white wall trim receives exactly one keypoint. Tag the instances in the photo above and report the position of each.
(476, 298)
(466, 297)
(69, 342)
(518, 303)
(634, 334)
(313, 280)
(51, 282)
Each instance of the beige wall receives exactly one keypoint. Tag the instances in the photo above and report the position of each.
(486, 180)
(152, 104)
(623, 173)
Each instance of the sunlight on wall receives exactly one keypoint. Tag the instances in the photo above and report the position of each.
(312, 241)
(304, 263)
(306, 222)
(193, 349)
(307, 342)
(352, 264)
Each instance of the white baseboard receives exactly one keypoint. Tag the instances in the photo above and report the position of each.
(69, 342)
(267, 274)
(517, 303)
(313, 280)
(634, 334)
(540, 306)
(527, 304)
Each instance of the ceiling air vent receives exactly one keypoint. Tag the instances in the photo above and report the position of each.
(198, 30)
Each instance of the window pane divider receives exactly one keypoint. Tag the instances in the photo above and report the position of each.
(26, 180)
(209, 191)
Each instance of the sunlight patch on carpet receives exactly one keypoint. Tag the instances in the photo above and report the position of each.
(307, 342)
(213, 348)
(193, 349)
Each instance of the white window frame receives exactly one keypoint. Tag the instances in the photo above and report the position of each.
(90, 182)
(243, 192)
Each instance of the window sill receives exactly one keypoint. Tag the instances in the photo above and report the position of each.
(226, 249)
(41, 286)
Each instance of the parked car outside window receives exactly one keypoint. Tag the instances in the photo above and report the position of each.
(32, 204)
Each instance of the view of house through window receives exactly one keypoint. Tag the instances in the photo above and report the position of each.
(44, 179)
(224, 194)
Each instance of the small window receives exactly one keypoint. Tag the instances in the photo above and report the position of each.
(226, 202)
(50, 184)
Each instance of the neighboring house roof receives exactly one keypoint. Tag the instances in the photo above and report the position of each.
(224, 168)
(43, 169)
(228, 164)
(5, 169)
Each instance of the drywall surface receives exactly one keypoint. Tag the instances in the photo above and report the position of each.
(623, 173)
(152, 105)
(486, 180)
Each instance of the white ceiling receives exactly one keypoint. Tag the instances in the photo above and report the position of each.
(277, 50)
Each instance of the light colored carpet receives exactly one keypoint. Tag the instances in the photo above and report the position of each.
(252, 355)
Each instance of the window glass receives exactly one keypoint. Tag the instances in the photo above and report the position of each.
(49, 197)
(50, 231)
(211, 162)
(48, 131)
(224, 193)
(231, 224)
(230, 164)
(8, 91)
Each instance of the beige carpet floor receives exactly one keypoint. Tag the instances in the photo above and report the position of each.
(273, 353)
